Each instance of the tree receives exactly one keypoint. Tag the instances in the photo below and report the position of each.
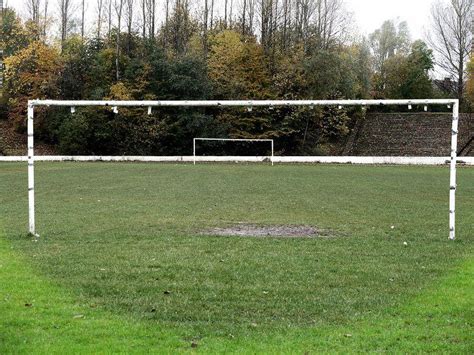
(226, 2)
(75, 66)
(45, 17)
(14, 35)
(355, 72)
(89, 69)
(362, 68)
(290, 81)
(389, 40)
(205, 26)
(323, 83)
(109, 18)
(33, 8)
(470, 82)
(151, 7)
(266, 9)
(180, 27)
(99, 9)
(451, 38)
(118, 10)
(320, 23)
(83, 14)
(386, 42)
(407, 77)
(46, 20)
(238, 70)
(129, 16)
(331, 22)
(237, 67)
(65, 13)
(31, 73)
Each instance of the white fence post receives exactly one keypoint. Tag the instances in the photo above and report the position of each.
(194, 151)
(272, 152)
(31, 172)
(453, 182)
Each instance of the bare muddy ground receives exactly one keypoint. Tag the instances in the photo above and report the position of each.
(250, 230)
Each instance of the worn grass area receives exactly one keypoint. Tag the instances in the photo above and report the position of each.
(121, 246)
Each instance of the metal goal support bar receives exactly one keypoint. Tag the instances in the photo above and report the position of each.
(454, 103)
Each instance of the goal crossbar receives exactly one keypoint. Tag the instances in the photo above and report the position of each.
(451, 103)
(232, 140)
(237, 103)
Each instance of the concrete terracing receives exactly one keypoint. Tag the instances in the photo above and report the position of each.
(410, 134)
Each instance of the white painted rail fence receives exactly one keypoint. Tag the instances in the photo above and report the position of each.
(272, 145)
(114, 105)
(357, 160)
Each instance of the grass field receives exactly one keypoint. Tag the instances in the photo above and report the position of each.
(122, 264)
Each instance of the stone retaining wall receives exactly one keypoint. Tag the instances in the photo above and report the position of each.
(411, 134)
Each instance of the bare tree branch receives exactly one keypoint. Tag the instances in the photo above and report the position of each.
(451, 38)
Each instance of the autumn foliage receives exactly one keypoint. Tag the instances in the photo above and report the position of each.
(228, 61)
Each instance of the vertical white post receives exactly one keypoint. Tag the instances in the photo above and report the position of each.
(272, 152)
(453, 183)
(31, 171)
(194, 151)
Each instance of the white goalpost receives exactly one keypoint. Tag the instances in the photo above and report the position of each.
(451, 103)
(232, 140)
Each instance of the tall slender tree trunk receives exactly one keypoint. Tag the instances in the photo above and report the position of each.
(285, 26)
(99, 17)
(45, 21)
(166, 31)
(153, 18)
(244, 15)
(251, 13)
(204, 40)
(144, 18)
(117, 43)
(64, 8)
(263, 19)
(130, 4)
(225, 13)
(110, 20)
(460, 84)
(82, 19)
(212, 14)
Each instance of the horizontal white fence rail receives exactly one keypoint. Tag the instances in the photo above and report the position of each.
(233, 140)
(249, 159)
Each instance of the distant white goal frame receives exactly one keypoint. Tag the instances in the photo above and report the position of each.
(232, 140)
(454, 103)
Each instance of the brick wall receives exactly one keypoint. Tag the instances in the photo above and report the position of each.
(410, 134)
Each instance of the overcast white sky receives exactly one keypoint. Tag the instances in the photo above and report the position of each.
(369, 14)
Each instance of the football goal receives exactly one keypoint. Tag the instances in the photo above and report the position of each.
(232, 140)
(114, 105)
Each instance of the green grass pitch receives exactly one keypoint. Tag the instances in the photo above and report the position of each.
(122, 264)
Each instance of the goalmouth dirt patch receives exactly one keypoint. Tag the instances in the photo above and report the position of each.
(250, 230)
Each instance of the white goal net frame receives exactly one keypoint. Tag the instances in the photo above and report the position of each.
(233, 140)
(451, 103)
